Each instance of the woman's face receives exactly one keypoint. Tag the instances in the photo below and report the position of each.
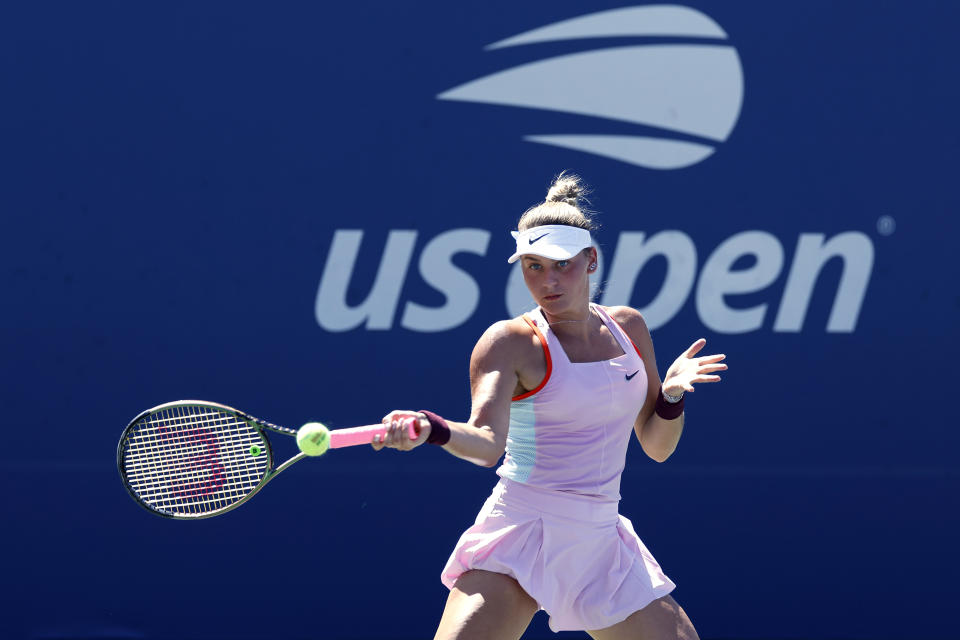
(559, 285)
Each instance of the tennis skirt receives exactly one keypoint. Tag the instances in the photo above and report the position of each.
(577, 557)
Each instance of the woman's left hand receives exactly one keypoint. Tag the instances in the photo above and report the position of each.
(687, 370)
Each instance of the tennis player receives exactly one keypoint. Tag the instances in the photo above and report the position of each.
(559, 389)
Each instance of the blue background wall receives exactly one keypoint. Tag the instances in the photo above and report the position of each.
(173, 177)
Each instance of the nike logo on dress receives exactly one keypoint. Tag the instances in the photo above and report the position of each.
(629, 377)
(532, 240)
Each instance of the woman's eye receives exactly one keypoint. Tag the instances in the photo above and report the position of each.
(534, 266)
(563, 263)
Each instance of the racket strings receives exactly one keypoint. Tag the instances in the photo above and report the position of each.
(194, 460)
(151, 472)
(191, 470)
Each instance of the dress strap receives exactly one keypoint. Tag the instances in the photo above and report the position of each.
(618, 332)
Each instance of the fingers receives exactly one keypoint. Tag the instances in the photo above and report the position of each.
(686, 383)
(397, 433)
(687, 370)
(709, 368)
(686, 377)
(714, 358)
(694, 349)
(706, 379)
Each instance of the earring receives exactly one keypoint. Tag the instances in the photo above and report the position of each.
(593, 266)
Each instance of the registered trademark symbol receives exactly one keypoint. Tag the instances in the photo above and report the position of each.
(886, 225)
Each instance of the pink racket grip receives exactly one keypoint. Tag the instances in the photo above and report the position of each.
(365, 435)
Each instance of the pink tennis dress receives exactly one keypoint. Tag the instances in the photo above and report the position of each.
(552, 522)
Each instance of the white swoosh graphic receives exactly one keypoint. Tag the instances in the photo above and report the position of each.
(652, 153)
(654, 20)
(693, 89)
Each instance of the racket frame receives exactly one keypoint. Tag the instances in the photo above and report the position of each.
(261, 426)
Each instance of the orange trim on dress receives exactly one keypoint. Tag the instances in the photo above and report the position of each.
(546, 353)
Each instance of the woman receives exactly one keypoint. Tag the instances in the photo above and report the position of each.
(558, 389)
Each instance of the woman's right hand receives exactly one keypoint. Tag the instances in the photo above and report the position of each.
(397, 435)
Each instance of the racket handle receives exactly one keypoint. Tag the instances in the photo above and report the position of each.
(365, 435)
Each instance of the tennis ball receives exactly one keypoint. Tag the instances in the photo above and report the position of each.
(313, 439)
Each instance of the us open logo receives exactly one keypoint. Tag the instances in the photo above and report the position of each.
(665, 97)
(685, 97)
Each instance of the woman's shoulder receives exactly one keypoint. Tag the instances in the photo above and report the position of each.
(630, 320)
(507, 333)
(506, 337)
(624, 314)
(507, 346)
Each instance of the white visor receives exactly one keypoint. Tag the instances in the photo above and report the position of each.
(553, 241)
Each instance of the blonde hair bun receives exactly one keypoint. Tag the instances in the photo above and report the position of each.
(562, 206)
(566, 188)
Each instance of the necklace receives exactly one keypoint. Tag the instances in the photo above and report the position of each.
(589, 317)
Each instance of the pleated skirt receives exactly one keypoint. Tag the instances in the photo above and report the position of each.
(575, 555)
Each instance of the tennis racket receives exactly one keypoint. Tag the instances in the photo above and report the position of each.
(192, 459)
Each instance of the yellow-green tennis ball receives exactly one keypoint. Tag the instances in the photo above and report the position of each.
(313, 439)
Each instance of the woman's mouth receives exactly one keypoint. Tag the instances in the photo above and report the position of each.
(552, 297)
